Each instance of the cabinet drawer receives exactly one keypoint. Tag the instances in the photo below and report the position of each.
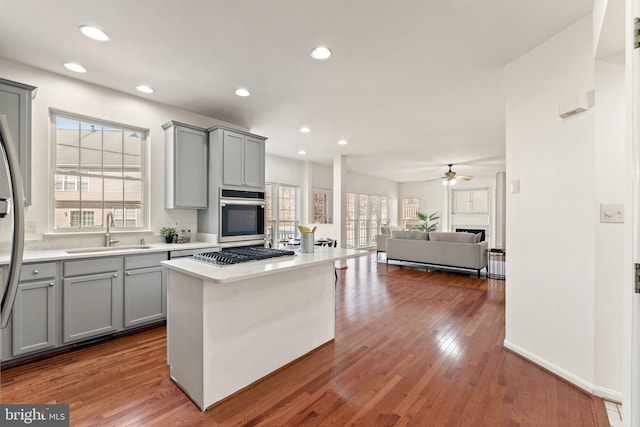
(143, 261)
(37, 271)
(92, 266)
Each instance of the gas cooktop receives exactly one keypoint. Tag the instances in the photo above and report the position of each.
(230, 256)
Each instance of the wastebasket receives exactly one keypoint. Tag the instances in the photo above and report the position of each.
(495, 264)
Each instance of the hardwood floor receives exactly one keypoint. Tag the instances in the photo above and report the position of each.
(412, 349)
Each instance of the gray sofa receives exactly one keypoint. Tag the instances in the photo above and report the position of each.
(385, 233)
(459, 250)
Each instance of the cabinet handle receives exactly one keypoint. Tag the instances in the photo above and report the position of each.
(35, 272)
(127, 273)
(51, 283)
(115, 274)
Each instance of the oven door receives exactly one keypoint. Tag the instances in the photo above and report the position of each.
(241, 220)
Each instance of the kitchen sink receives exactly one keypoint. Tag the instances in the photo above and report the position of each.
(107, 249)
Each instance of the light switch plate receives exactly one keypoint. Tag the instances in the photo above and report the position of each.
(612, 212)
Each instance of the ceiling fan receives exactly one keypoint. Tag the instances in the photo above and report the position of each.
(450, 177)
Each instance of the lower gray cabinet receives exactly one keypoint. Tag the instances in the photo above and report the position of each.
(92, 303)
(34, 317)
(145, 289)
(144, 296)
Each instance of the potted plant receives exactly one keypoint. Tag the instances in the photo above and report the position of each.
(425, 226)
(168, 233)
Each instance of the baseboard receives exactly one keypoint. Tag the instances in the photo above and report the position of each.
(601, 392)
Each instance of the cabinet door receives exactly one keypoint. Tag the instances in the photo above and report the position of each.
(461, 203)
(15, 103)
(191, 168)
(232, 159)
(90, 306)
(34, 317)
(253, 162)
(480, 201)
(144, 296)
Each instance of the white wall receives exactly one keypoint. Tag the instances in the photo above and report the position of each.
(565, 268)
(432, 197)
(282, 170)
(66, 94)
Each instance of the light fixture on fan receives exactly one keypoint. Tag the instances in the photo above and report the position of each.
(450, 177)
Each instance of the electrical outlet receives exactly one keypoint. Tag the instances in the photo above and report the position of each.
(612, 212)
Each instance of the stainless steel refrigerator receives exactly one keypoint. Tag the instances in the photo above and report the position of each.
(12, 207)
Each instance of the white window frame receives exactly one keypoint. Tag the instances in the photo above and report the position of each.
(410, 221)
(144, 174)
(360, 232)
(326, 216)
(275, 222)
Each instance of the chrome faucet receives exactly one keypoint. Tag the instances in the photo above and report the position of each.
(107, 236)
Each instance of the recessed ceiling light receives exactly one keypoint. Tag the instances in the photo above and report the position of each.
(321, 52)
(242, 92)
(75, 67)
(94, 33)
(302, 152)
(305, 129)
(144, 89)
(342, 142)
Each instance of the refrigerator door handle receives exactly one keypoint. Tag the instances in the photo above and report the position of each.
(15, 176)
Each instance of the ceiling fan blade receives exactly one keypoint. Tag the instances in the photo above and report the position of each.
(463, 178)
(436, 179)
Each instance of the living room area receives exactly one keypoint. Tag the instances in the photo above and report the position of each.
(534, 103)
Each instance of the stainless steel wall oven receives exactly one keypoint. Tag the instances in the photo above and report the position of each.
(241, 215)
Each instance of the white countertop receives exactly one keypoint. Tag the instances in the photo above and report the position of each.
(62, 254)
(232, 273)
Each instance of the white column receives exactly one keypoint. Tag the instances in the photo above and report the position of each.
(306, 194)
(340, 203)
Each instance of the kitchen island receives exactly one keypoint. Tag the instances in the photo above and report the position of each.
(228, 327)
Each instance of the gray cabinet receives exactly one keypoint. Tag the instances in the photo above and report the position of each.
(34, 318)
(185, 166)
(145, 290)
(15, 103)
(242, 159)
(236, 162)
(92, 298)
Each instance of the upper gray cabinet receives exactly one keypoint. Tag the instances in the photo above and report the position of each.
(242, 157)
(185, 166)
(15, 103)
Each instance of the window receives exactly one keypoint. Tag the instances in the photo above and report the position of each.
(322, 206)
(98, 169)
(365, 215)
(281, 211)
(84, 218)
(410, 209)
(125, 217)
(70, 183)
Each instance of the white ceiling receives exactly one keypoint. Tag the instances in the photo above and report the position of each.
(412, 84)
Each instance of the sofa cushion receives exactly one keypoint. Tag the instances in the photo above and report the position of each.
(443, 236)
(387, 229)
(413, 235)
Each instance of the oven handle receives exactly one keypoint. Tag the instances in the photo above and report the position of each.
(243, 202)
